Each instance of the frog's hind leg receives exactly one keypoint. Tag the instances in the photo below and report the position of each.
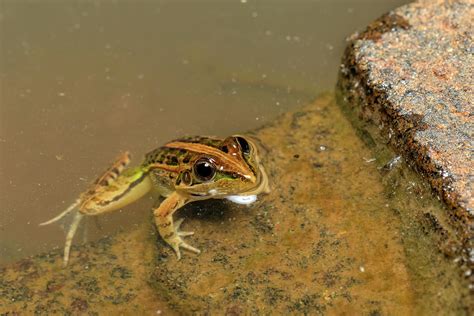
(104, 180)
(114, 189)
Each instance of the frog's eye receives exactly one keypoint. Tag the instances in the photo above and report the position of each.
(244, 145)
(204, 169)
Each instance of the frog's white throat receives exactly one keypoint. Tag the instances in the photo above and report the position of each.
(242, 199)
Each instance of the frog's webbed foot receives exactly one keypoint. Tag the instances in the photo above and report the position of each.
(176, 242)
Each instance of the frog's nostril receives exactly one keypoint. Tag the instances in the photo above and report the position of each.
(186, 178)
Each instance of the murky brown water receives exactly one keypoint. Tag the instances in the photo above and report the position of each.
(82, 81)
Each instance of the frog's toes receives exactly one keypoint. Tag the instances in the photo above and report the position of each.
(186, 246)
(184, 234)
(176, 243)
(177, 225)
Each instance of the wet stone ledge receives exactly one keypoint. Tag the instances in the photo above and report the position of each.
(410, 74)
(328, 239)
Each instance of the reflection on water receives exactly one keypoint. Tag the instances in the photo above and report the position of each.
(81, 82)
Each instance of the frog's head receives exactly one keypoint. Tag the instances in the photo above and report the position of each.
(230, 169)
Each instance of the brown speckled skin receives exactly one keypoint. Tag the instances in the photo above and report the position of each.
(411, 73)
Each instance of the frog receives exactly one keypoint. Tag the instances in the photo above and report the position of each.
(181, 171)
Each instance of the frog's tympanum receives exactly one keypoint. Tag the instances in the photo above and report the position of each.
(181, 171)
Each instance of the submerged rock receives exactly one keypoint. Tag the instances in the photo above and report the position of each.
(327, 239)
(411, 74)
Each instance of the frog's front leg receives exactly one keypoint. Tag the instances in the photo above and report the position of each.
(164, 222)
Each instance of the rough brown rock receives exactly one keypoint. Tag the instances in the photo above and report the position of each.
(411, 73)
